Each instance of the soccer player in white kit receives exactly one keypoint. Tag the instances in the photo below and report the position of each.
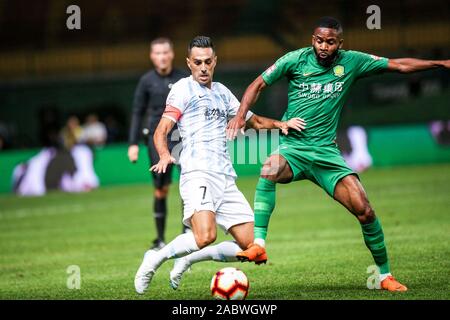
(201, 109)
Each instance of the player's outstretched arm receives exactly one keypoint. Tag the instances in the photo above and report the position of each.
(408, 65)
(249, 98)
(258, 122)
(160, 140)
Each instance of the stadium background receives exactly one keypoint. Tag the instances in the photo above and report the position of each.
(47, 69)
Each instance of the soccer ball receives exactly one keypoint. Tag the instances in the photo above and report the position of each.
(229, 284)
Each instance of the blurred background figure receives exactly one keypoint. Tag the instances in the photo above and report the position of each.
(65, 164)
(94, 132)
(29, 177)
(71, 132)
(441, 132)
(358, 157)
(150, 100)
(83, 178)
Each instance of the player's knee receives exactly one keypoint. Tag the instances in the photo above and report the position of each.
(366, 214)
(205, 238)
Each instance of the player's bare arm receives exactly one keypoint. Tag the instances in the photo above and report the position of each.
(258, 122)
(160, 140)
(409, 65)
(250, 97)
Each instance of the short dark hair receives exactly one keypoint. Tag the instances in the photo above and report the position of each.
(161, 40)
(200, 42)
(329, 22)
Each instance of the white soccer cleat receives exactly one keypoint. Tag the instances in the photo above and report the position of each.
(145, 272)
(180, 266)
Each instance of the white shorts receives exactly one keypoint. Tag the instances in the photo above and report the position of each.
(210, 191)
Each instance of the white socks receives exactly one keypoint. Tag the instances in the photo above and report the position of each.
(223, 252)
(384, 276)
(182, 245)
(260, 242)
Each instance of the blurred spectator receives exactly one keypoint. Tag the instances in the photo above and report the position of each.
(70, 169)
(94, 132)
(71, 133)
(29, 177)
(84, 178)
(56, 169)
(354, 148)
(440, 130)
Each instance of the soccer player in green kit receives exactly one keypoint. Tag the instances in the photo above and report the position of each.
(320, 78)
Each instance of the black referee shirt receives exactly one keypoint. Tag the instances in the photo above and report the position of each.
(150, 98)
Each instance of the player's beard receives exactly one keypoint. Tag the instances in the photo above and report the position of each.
(328, 61)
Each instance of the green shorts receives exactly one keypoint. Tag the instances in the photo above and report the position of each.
(324, 166)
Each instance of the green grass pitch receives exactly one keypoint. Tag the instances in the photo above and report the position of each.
(315, 247)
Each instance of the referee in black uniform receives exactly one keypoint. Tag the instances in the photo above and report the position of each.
(150, 98)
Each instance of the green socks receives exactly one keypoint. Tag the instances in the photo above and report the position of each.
(263, 206)
(374, 239)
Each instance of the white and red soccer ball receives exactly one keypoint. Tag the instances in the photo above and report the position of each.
(229, 284)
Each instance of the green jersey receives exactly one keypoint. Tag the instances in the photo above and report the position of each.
(316, 93)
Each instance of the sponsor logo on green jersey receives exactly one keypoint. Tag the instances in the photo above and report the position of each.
(339, 70)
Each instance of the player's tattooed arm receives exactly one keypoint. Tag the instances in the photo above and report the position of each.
(408, 65)
(258, 122)
(248, 100)
(160, 140)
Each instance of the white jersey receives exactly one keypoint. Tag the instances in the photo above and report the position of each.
(202, 115)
